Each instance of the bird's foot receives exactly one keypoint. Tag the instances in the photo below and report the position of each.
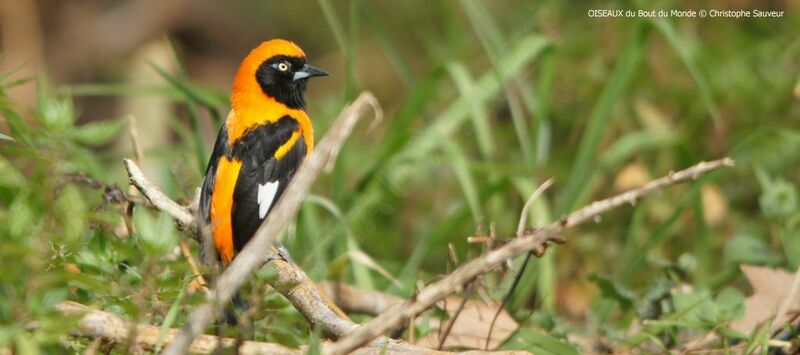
(279, 252)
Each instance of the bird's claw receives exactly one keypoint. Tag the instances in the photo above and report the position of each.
(279, 252)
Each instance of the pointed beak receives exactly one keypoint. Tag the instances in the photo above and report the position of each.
(307, 72)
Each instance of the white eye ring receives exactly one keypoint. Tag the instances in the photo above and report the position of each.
(283, 66)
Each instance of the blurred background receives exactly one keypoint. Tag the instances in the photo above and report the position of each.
(483, 102)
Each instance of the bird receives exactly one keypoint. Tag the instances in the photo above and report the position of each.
(262, 143)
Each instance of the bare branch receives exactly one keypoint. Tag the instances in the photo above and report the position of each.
(99, 324)
(254, 253)
(523, 216)
(159, 200)
(304, 296)
(780, 319)
(535, 241)
(356, 300)
(523, 221)
(109, 327)
(292, 282)
(198, 282)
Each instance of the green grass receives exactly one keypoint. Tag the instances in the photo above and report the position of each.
(484, 102)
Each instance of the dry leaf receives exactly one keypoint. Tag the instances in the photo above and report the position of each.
(632, 175)
(364, 259)
(472, 326)
(574, 297)
(651, 116)
(797, 90)
(771, 289)
(715, 205)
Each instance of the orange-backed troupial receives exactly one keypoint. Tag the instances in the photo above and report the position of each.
(264, 140)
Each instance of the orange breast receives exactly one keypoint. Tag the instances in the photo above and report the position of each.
(221, 205)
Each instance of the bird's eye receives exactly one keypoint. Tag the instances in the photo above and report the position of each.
(283, 66)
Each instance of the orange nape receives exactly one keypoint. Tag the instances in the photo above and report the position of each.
(221, 204)
(251, 106)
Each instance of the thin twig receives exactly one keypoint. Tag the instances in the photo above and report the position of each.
(99, 324)
(452, 321)
(293, 284)
(523, 216)
(535, 241)
(523, 222)
(138, 155)
(198, 282)
(780, 318)
(357, 300)
(113, 329)
(506, 298)
(159, 200)
(253, 255)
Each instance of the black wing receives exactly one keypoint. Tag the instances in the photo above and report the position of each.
(262, 178)
(220, 150)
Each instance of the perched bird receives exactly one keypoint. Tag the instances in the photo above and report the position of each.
(262, 143)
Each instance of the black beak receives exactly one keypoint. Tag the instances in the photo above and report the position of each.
(307, 72)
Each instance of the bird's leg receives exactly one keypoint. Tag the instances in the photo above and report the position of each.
(279, 252)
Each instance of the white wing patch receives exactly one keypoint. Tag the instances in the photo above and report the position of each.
(266, 193)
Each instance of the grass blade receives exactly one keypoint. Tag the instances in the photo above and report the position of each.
(599, 121)
(480, 117)
(666, 28)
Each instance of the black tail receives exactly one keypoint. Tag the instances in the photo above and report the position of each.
(235, 309)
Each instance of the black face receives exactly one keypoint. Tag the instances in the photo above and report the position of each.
(280, 79)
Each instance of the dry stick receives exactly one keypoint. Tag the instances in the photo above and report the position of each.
(449, 326)
(791, 298)
(111, 328)
(523, 216)
(253, 255)
(353, 299)
(99, 324)
(159, 200)
(198, 282)
(535, 241)
(523, 222)
(293, 284)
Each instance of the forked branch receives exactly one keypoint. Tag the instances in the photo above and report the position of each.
(253, 255)
(535, 241)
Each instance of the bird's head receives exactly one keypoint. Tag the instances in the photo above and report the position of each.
(276, 68)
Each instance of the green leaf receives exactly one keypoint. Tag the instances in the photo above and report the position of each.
(72, 213)
(22, 217)
(730, 303)
(16, 125)
(158, 235)
(698, 309)
(526, 50)
(97, 133)
(747, 249)
(539, 343)
(613, 290)
(778, 199)
(600, 120)
(680, 46)
(479, 113)
(314, 341)
(634, 143)
(790, 241)
(460, 165)
(25, 344)
(9, 176)
(169, 319)
(54, 112)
